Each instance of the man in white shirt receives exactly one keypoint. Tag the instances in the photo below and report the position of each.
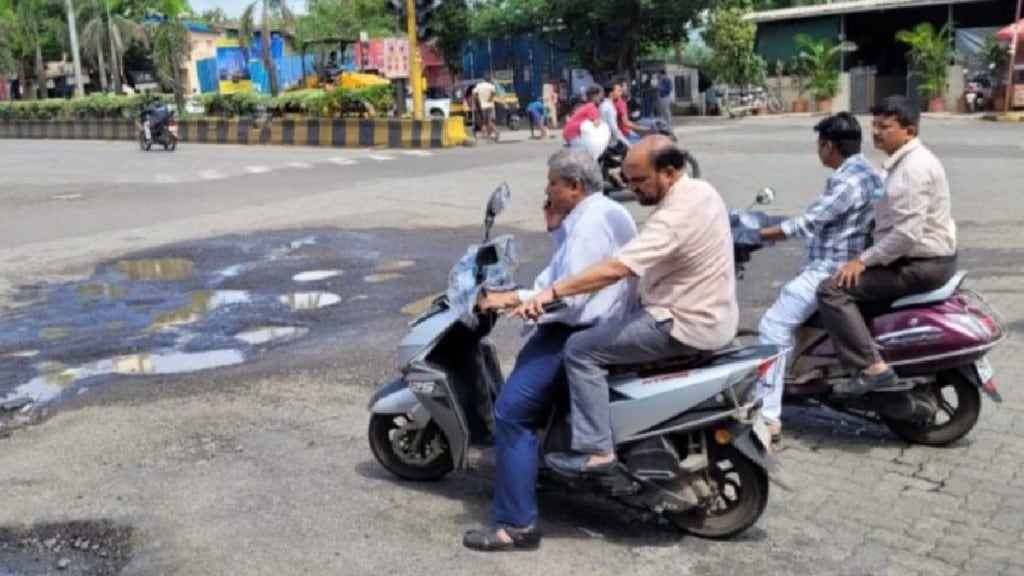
(485, 92)
(586, 228)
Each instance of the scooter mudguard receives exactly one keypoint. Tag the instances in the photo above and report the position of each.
(989, 388)
(743, 440)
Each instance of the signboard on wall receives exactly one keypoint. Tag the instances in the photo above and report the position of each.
(388, 56)
(233, 68)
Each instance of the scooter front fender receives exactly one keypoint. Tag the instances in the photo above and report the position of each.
(396, 398)
(743, 440)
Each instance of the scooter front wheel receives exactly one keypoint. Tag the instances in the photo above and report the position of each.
(143, 143)
(742, 488)
(408, 451)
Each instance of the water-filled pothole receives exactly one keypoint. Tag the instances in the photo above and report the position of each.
(264, 334)
(310, 300)
(54, 378)
(316, 275)
(168, 269)
(384, 277)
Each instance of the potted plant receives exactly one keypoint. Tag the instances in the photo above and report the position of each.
(995, 57)
(798, 76)
(930, 54)
(821, 56)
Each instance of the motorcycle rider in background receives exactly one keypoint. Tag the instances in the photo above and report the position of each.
(836, 228)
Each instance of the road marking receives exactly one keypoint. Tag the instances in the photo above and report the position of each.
(417, 153)
(257, 169)
(210, 174)
(67, 197)
(165, 179)
(341, 161)
(380, 157)
(299, 165)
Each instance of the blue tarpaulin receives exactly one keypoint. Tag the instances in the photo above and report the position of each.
(531, 60)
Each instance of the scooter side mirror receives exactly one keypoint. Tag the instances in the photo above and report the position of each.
(765, 196)
(495, 205)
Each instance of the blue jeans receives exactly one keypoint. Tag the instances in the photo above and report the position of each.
(522, 403)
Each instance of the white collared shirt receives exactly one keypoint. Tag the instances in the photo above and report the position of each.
(593, 232)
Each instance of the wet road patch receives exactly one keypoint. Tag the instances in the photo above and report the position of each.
(181, 309)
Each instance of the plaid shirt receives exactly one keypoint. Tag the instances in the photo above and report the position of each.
(837, 226)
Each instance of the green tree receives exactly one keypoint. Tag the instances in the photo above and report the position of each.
(170, 47)
(214, 16)
(731, 40)
(104, 29)
(246, 27)
(345, 18)
(604, 35)
(452, 31)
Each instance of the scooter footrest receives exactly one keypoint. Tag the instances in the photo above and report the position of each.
(617, 484)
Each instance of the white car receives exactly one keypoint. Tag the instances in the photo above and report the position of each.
(436, 102)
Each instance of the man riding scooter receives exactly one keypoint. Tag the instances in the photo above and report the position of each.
(836, 227)
(914, 247)
(587, 228)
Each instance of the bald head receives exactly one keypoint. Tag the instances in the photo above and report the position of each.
(652, 166)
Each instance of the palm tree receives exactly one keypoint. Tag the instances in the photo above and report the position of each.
(27, 37)
(105, 31)
(170, 45)
(246, 28)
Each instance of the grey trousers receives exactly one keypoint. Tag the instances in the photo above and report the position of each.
(840, 307)
(634, 339)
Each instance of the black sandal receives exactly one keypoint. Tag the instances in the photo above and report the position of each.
(490, 541)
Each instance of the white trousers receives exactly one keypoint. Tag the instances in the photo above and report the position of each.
(796, 303)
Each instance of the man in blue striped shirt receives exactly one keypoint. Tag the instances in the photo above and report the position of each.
(836, 228)
(587, 227)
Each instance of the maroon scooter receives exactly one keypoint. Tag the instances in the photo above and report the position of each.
(936, 342)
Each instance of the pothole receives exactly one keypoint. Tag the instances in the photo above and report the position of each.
(376, 278)
(98, 547)
(395, 265)
(310, 300)
(264, 334)
(315, 275)
(54, 379)
(168, 269)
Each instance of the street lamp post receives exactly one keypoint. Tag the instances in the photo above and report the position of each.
(73, 29)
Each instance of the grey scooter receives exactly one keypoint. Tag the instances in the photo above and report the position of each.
(686, 435)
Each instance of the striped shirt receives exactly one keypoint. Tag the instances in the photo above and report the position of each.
(837, 226)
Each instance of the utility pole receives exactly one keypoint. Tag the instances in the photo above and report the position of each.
(73, 28)
(1014, 28)
(414, 61)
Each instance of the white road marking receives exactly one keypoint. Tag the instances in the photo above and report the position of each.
(299, 165)
(417, 153)
(165, 179)
(341, 161)
(257, 169)
(380, 157)
(67, 197)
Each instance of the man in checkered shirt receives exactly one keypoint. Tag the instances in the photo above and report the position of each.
(836, 228)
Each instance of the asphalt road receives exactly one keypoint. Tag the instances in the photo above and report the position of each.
(263, 467)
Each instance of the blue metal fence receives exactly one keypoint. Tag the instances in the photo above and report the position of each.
(531, 60)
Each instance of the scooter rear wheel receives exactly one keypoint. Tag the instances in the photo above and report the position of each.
(407, 451)
(742, 497)
(956, 421)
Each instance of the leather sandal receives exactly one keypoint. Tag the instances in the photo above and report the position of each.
(489, 540)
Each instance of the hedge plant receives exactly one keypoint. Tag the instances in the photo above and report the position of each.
(371, 101)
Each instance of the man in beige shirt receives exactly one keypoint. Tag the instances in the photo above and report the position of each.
(683, 258)
(913, 250)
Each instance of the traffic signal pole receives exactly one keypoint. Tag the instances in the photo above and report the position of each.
(415, 66)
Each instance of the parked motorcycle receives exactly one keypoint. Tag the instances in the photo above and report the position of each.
(977, 91)
(612, 158)
(163, 128)
(746, 99)
(685, 432)
(936, 342)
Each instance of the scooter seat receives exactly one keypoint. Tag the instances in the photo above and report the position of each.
(663, 365)
(941, 294)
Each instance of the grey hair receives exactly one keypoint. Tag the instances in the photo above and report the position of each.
(577, 165)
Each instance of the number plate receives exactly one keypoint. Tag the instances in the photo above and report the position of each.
(762, 433)
(984, 370)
